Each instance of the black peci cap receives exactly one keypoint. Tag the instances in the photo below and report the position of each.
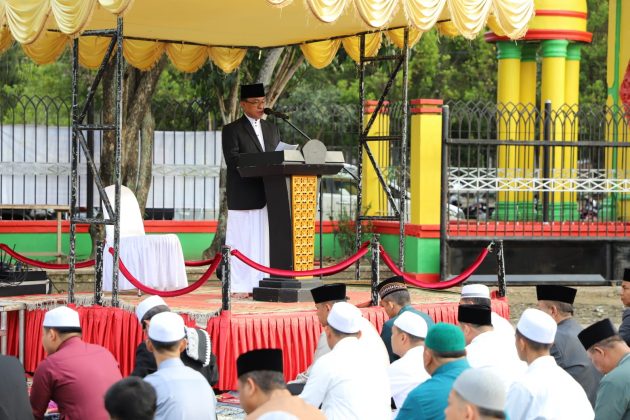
(263, 359)
(329, 292)
(556, 293)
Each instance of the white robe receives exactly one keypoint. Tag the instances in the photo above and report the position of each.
(405, 374)
(546, 391)
(370, 340)
(348, 384)
(502, 325)
(494, 349)
(247, 231)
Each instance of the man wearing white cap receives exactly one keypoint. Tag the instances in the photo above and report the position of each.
(75, 374)
(479, 294)
(198, 354)
(545, 391)
(325, 297)
(406, 373)
(486, 347)
(477, 394)
(182, 392)
(346, 382)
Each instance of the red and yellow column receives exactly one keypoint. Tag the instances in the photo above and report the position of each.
(422, 246)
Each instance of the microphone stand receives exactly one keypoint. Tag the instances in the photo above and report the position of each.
(296, 129)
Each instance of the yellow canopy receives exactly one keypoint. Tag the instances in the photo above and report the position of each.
(193, 31)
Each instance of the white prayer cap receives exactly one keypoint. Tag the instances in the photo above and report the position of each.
(148, 304)
(412, 323)
(475, 291)
(537, 326)
(345, 317)
(482, 387)
(167, 327)
(62, 317)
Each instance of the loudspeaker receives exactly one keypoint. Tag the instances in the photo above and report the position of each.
(17, 283)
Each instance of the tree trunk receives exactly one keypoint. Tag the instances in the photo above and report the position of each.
(290, 62)
(137, 134)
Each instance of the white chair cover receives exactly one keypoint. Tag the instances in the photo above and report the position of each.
(155, 260)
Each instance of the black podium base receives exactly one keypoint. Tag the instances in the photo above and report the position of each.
(285, 290)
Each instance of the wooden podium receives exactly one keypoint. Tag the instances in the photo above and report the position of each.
(291, 180)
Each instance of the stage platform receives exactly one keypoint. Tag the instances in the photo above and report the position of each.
(293, 327)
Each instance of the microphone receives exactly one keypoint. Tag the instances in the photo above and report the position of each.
(276, 114)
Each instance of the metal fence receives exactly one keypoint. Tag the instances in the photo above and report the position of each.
(35, 140)
(518, 171)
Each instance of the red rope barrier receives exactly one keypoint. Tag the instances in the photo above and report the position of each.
(168, 293)
(200, 263)
(41, 264)
(436, 286)
(326, 271)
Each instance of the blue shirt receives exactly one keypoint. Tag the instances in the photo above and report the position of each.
(182, 392)
(386, 331)
(428, 400)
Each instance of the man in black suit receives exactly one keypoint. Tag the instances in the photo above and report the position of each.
(247, 224)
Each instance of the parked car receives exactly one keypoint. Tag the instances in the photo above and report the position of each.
(339, 198)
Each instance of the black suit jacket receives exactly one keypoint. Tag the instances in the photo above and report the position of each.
(239, 137)
(14, 403)
(146, 365)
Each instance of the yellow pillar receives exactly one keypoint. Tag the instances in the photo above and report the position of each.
(527, 127)
(422, 248)
(617, 206)
(374, 200)
(508, 91)
(563, 205)
(426, 152)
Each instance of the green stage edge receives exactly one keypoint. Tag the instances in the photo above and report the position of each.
(421, 255)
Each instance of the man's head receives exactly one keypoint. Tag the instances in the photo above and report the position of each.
(409, 331)
(59, 325)
(325, 297)
(344, 320)
(603, 345)
(557, 301)
(259, 373)
(444, 343)
(148, 308)
(476, 394)
(535, 333)
(625, 288)
(253, 100)
(167, 335)
(394, 295)
(474, 320)
(131, 399)
(475, 294)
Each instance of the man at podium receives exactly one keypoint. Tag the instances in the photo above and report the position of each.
(247, 223)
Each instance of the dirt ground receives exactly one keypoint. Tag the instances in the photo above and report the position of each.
(592, 303)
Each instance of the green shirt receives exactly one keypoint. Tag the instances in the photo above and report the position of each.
(386, 332)
(613, 395)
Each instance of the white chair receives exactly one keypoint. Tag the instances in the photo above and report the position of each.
(155, 260)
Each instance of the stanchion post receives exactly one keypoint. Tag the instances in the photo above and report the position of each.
(376, 257)
(498, 247)
(226, 286)
(98, 274)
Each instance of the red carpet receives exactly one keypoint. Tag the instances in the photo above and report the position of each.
(293, 327)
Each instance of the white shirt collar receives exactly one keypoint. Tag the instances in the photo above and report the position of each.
(251, 120)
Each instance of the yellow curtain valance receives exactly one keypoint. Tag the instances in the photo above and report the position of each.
(468, 17)
(45, 27)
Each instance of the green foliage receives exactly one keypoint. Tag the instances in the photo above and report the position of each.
(592, 65)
